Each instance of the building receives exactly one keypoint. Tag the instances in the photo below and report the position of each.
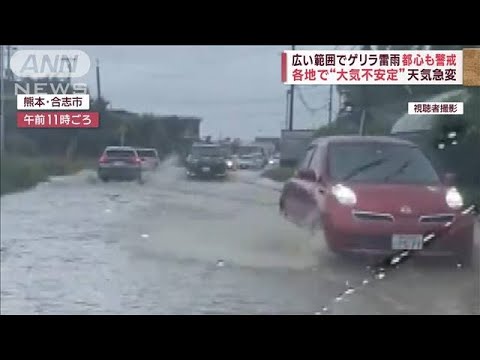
(251, 148)
(269, 140)
(191, 127)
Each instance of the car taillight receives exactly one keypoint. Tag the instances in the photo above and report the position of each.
(135, 160)
(103, 159)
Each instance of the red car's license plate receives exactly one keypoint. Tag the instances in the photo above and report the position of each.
(407, 242)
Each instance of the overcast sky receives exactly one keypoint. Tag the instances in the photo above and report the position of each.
(236, 90)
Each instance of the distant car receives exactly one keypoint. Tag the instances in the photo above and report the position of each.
(251, 161)
(149, 157)
(232, 162)
(274, 160)
(377, 195)
(119, 163)
(206, 160)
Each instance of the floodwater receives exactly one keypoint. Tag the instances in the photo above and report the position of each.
(74, 245)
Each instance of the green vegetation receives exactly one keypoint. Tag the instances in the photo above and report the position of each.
(471, 195)
(384, 105)
(463, 158)
(117, 127)
(34, 154)
(166, 134)
(21, 172)
(279, 173)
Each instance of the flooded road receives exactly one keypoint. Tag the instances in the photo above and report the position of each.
(174, 246)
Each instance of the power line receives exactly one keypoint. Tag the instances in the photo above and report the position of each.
(306, 105)
(311, 110)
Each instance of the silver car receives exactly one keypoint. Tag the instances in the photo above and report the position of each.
(120, 163)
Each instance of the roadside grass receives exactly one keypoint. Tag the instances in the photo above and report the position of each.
(280, 174)
(21, 172)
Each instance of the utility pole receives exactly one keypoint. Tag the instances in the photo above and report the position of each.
(122, 137)
(8, 61)
(69, 65)
(330, 106)
(292, 97)
(362, 123)
(2, 103)
(99, 94)
(287, 110)
(8, 72)
(330, 101)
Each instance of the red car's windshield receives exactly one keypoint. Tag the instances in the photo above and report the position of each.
(380, 163)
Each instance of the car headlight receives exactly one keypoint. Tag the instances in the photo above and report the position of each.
(344, 194)
(229, 163)
(454, 198)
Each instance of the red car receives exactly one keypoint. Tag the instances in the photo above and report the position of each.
(376, 195)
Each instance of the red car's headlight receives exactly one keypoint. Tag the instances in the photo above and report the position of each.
(454, 198)
(344, 194)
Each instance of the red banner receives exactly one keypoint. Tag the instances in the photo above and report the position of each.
(57, 119)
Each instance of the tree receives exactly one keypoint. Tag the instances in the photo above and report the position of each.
(459, 137)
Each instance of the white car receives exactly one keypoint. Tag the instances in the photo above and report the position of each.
(149, 157)
(274, 160)
(251, 161)
(232, 162)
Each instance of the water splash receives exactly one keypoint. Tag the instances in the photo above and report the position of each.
(220, 263)
(428, 238)
(395, 260)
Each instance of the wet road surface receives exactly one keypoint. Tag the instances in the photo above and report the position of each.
(174, 246)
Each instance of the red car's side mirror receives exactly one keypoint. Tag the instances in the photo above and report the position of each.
(307, 174)
(449, 179)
